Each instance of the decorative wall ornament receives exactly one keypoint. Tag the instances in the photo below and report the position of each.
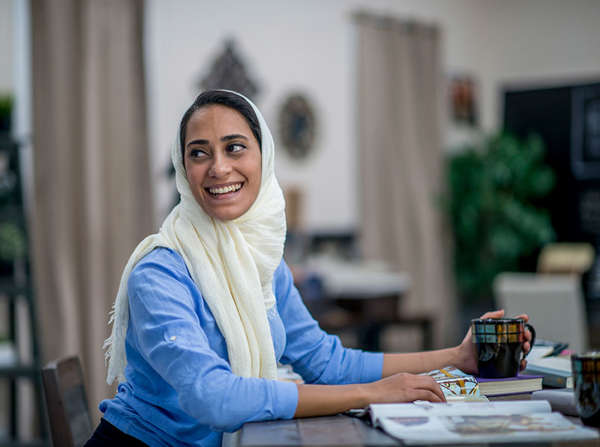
(463, 101)
(297, 125)
(229, 72)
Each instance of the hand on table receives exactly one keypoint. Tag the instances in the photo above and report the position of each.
(468, 352)
(405, 387)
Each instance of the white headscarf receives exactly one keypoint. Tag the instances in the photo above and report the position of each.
(231, 262)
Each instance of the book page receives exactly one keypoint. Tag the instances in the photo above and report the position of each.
(465, 429)
(422, 408)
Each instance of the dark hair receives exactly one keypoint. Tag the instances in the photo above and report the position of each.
(225, 98)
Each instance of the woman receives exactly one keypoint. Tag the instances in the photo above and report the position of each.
(206, 307)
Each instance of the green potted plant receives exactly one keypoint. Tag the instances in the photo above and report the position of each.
(495, 189)
(13, 246)
(6, 106)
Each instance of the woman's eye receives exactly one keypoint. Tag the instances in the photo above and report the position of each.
(236, 147)
(197, 153)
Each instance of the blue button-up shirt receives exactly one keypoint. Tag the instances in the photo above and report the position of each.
(179, 387)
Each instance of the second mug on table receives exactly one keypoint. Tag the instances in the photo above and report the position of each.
(499, 344)
(586, 382)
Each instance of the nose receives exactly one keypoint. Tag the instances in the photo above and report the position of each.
(220, 167)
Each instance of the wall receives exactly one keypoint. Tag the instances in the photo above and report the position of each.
(309, 46)
(287, 46)
(6, 46)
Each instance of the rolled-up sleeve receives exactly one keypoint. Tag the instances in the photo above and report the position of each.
(170, 337)
(317, 356)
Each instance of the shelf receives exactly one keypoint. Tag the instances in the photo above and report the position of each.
(10, 290)
(32, 443)
(13, 214)
(18, 370)
(12, 211)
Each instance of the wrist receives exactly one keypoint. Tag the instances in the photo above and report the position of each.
(364, 394)
(467, 358)
(459, 357)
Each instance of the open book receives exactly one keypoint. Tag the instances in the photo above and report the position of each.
(475, 422)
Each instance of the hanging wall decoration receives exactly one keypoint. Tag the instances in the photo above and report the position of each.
(463, 100)
(297, 125)
(229, 72)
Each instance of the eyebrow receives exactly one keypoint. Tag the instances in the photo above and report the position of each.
(234, 136)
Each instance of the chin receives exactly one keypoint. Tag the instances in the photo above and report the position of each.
(225, 211)
(226, 214)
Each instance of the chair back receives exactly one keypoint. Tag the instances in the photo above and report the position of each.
(66, 402)
(554, 304)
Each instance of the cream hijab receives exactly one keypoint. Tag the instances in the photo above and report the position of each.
(231, 262)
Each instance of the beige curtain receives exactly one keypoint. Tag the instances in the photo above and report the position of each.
(92, 195)
(401, 161)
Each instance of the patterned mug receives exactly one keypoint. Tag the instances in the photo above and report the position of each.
(499, 344)
(586, 381)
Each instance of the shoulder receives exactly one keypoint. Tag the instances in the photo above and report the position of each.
(161, 257)
(161, 262)
(283, 283)
(282, 274)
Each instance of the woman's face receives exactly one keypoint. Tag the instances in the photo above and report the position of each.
(223, 161)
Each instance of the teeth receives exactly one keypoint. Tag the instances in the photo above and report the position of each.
(225, 189)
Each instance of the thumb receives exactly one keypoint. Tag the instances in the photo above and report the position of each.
(494, 314)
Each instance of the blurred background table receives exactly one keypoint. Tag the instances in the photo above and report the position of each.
(359, 296)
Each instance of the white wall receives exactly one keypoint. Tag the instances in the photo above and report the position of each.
(6, 46)
(309, 45)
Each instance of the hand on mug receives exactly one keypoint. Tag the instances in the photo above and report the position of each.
(467, 353)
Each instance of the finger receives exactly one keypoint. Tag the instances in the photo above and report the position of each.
(524, 317)
(494, 314)
(420, 394)
(526, 347)
(437, 390)
(428, 383)
(523, 364)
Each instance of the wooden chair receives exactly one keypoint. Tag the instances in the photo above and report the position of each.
(66, 402)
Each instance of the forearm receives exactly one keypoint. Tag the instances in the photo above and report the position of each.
(418, 362)
(319, 400)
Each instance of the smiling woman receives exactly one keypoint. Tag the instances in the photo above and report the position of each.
(207, 306)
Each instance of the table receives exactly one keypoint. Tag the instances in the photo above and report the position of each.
(340, 431)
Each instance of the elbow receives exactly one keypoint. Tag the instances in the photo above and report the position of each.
(213, 404)
(209, 410)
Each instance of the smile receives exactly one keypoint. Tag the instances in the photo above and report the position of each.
(218, 190)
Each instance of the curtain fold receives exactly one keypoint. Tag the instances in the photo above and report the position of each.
(92, 190)
(399, 118)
